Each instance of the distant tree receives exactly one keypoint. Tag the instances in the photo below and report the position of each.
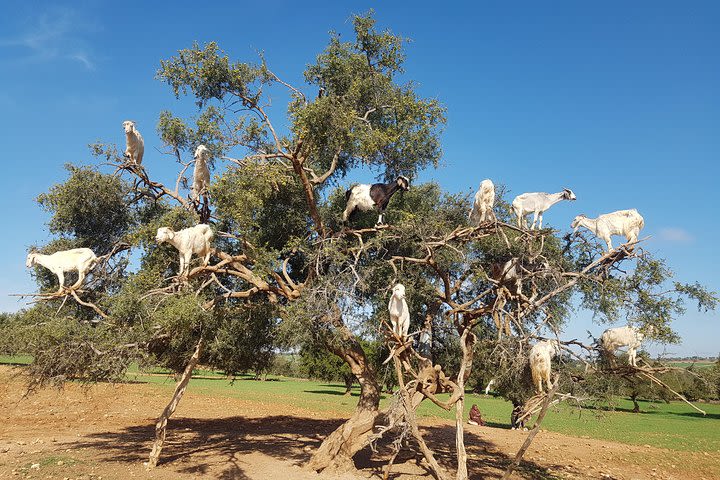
(320, 364)
(714, 379)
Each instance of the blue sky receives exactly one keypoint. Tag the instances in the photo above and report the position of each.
(619, 101)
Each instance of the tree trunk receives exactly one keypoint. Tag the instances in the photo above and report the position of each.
(309, 196)
(410, 404)
(425, 348)
(467, 343)
(337, 450)
(161, 426)
(348, 385)
(636, 405)
(534, 431)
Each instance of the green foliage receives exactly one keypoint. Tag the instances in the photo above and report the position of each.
(319, 364)
(364, 113)
(262, 203)
(244, 340)
(90, 207)
(63, 348)
(179, 136)
(644, 297)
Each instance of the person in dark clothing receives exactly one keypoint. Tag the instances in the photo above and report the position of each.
(475, 417)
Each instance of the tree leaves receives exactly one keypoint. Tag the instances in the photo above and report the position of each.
(91, 207)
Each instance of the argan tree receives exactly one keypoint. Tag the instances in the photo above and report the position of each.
(285, 268)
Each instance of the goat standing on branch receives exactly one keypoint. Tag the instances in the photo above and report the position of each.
(623, 222)
(399, 313)
(365, 197)
(482, 209)
(541, 362)
(134, 143)
(614, 338)
(81, 260)
(537, 203)
(188, 241)
(201, 174)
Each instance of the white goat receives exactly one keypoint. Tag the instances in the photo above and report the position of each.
(482, 209)
(540, 362)
(537, 203)
(489, 386)
(134, 143)
(613, 339)
(201, 175)
(424, 347)
(623, 222)
(188, 241)
(399, 313)
(80, 260)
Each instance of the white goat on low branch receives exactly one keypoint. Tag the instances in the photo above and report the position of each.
(537, 203)
(188, 241)
(201, 174)
(623, 222)
(613, 339)
(80, 260)
(482, 209)
(541, 362)
(399, 313)
(134, 143)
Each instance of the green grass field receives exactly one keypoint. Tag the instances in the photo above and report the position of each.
(675, 426)
(698, 364)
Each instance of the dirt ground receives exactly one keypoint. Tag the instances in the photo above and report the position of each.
(106, 431)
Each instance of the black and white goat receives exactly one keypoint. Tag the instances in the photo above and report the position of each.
(365, 197)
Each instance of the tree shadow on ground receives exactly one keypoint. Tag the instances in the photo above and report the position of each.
(647, 408)
(212, 447)
(716, 416)
(485, 460)
(332, 392)
(195, 446)
(339, 393)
